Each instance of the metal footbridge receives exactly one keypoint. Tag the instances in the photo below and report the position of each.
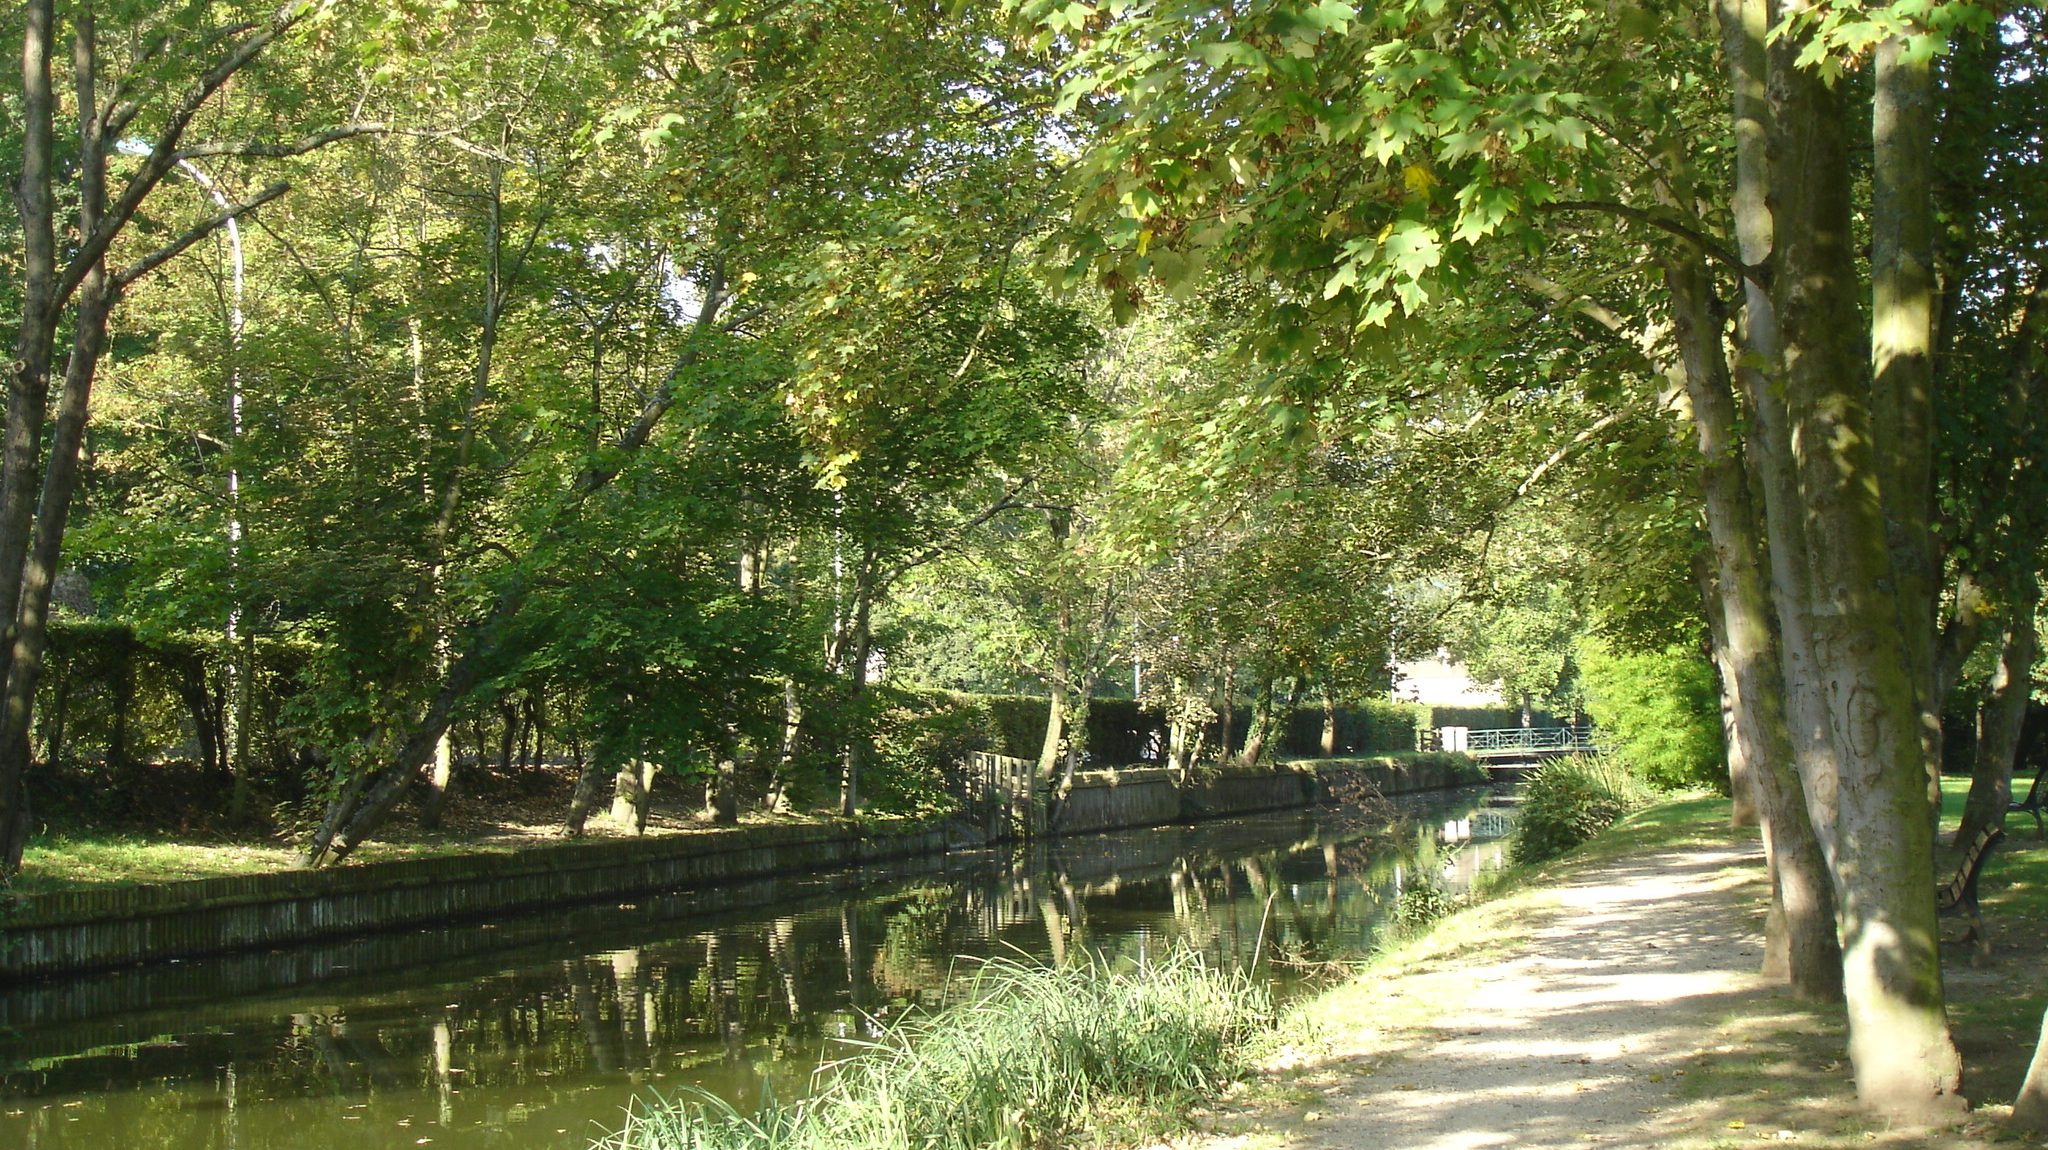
(1509, 744)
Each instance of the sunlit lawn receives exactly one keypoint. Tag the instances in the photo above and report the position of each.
(91, 860)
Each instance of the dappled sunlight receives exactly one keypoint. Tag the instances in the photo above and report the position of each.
(1628, 1014)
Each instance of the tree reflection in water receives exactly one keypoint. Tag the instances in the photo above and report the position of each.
(539, 1043)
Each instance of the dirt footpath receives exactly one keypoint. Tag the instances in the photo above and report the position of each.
(1626, 1013)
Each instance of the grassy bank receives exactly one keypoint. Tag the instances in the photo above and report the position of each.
(1032, 1057)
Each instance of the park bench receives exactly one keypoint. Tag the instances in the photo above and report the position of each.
(2032, 803)
(1959, 894)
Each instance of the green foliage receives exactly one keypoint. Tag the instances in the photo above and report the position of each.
(1022, 1062)
(1423, 903)
(1486, 718)
(1659, 712)
(922, 740)
(1569, 801)
(1373, 726)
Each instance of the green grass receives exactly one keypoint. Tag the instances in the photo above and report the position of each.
(1032, 1057)
(77, 862)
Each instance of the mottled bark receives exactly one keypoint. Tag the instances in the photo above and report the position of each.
(631, 787)
(1902, 367)
(1899, 1042)
(1803, 948)
(721, 803)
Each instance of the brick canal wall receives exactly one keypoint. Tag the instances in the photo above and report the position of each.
(98, 929)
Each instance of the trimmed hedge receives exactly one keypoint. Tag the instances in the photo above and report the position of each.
(1121, 733)
(1486, 718)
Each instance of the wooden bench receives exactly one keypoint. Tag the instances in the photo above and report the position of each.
(2032, 803)
(1959, 894)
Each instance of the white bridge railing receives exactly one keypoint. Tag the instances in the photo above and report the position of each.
(1507, 741)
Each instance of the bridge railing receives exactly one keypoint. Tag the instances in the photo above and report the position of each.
(1564, 739)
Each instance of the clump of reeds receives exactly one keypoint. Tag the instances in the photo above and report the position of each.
(1021, 1062)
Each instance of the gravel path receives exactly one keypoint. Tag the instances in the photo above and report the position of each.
(1581, 1036)
(1578, 1037)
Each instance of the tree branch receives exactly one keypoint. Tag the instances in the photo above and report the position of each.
(271, 149)
(199, 231)
(1008, 502)
(163, 156)
(1713, 249)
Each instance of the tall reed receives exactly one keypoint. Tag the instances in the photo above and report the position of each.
(1022, 1062)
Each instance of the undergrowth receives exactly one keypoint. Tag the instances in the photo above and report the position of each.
(1023, 1062)
(1567, 802)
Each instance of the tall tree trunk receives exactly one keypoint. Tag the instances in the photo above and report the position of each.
(1902, 368)
(35, 495)
(1056, 704)
(631, 788)
(1736, 754)
(1803, 947)
(777, 800)
(856, 672)
(1261, 730)
(589, 784)
(1229, 717)
(1329, 742)
(1899, 1041)
(440, 783)
(721, 803)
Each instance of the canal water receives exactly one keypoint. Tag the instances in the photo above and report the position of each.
(532, 1033)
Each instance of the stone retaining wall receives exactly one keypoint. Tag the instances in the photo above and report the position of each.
(97, 929)
(1110, 800)
(118, 926)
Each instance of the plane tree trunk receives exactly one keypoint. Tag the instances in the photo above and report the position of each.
(1875, 760)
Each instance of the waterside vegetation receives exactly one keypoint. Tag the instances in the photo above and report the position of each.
(1031, 1056)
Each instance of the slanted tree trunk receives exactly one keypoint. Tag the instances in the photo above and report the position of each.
(356, 812)
(2000, 716)
(589, 783)
(1800, 940)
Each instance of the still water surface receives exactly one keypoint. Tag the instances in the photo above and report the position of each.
(532, 1033)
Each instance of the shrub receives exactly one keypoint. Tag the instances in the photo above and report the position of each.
(1569, 801)
(1421, 904)
(1022, 1062)
(1659, 712)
